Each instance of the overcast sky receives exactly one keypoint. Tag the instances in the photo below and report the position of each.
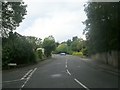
(60, 18)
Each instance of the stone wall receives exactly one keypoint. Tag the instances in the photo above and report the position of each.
(110, 58)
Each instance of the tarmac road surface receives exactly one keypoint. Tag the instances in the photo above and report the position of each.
(61, 71)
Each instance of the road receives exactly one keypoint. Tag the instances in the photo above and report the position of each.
(59, 72)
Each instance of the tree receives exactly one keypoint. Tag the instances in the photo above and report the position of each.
(74, 38)
(102, 30)
(12, 15)
(76, 45)
(48, 45)
(62, 48)
(69, 42)
(57, 44)
(36, 42)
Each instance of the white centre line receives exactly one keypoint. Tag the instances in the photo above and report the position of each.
(66, 65)
(28, 78)
(81, 84)
(31, 73)
(75, 78)
(68, 72)
(26, 74)
(66, 61)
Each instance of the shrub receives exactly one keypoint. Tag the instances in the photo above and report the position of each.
(16, 49)
(78, 54)
(39, 53)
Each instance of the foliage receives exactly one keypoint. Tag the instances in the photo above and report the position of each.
(16, 49)
(78, 54)
(36, 42)
(69, 50)
(49, 45)
(69, 42)
(102, 30)
(74, 38)
(40, 54)
(74, 45)
(57, 43)
(77, 45)
(12, 15)
(62, 48)
(84, 51)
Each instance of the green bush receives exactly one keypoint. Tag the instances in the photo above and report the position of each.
(16, 49)
(70, 52)
(40, 54)
(84, 51)
(78, 54)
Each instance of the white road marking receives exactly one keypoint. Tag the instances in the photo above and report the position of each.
(31, 73)
(67, 69)
(22, 86)
(75, 78)
(11, 81)
(28, 77)
(68, 72)
(81, 84)
(26, 74)
(18, 79)
(66, 65)
(66, 61)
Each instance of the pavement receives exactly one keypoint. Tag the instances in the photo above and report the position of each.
(61, 71)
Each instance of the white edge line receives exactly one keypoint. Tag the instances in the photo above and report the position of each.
(18, 79)
(68, 72)
(81, 84)
(11, 81)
